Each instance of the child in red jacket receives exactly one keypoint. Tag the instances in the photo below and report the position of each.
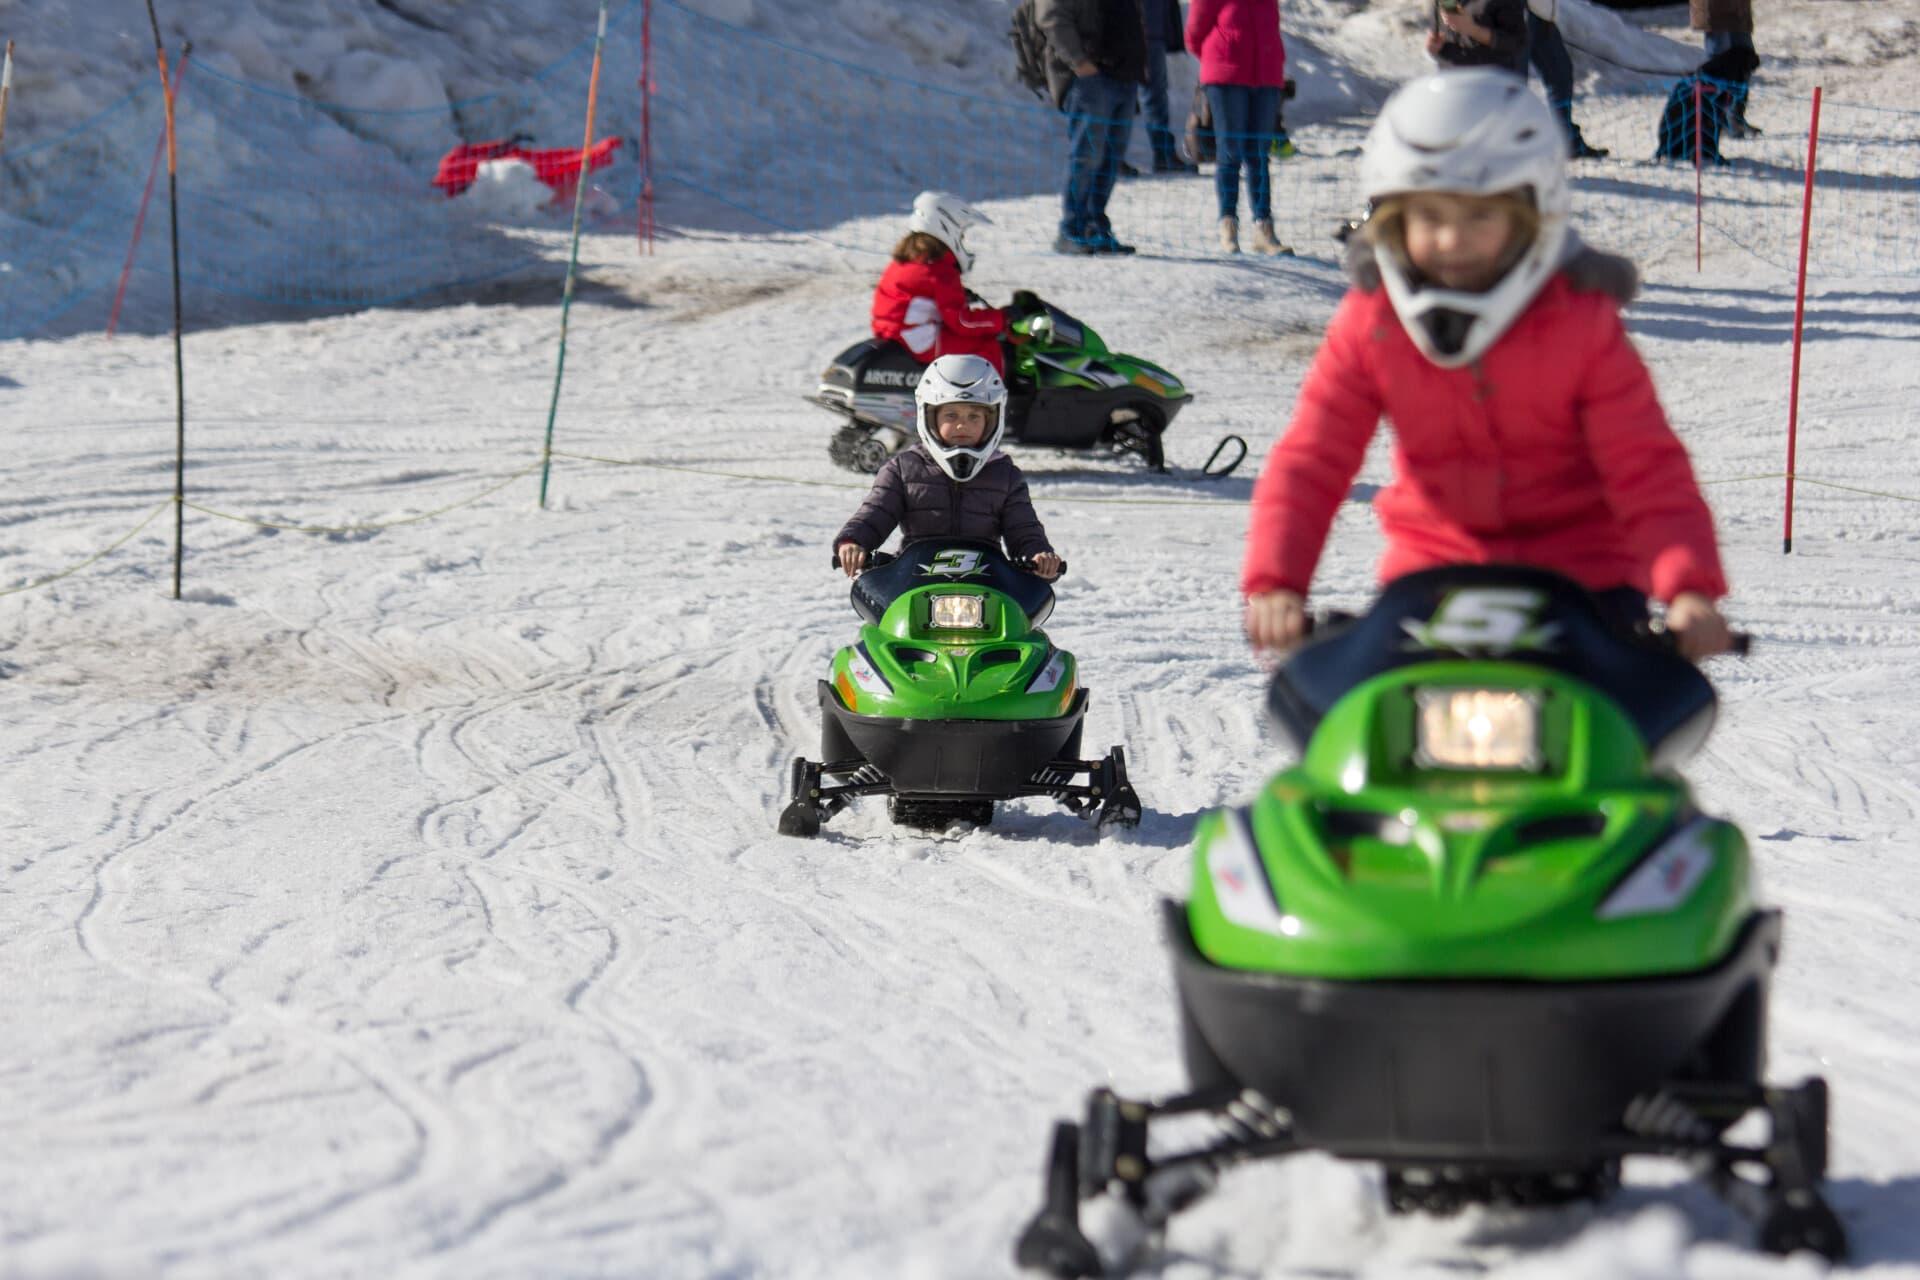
(920, 302)
(1526, 428)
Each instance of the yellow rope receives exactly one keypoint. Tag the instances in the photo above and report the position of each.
(372, 527)
(93, 559)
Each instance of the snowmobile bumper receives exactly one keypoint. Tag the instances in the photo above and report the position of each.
(984, 759)
(1484, 1072)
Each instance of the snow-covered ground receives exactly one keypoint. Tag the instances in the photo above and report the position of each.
(407, 902)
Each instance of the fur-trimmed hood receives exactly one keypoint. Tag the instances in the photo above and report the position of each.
(1587, 269)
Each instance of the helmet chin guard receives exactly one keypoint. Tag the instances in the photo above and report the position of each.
(960, 380)
(1474, 133)
(946, 218)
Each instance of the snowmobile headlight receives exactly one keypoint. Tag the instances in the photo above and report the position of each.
(1664, 879)
(959, 613)
(1476, 729)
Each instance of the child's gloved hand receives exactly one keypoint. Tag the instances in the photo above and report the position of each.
(1276, 621)
(1698, 627)
(1046, 565)
(853, 558)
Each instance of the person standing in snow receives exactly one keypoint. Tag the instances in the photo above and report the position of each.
(1547, 53)
(1480, 33)
(1163, 26)
(1097, 61)
(1526, 428)
(920, 302)
(1243, 64)
(1728, 24)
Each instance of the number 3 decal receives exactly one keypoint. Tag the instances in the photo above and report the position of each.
(954, 564)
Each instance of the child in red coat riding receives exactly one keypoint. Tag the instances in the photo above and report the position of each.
(1526, 428)
(920, 302)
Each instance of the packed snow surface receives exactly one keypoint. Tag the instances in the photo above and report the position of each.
(405, 901)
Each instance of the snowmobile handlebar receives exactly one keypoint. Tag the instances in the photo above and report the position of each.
(881, 559)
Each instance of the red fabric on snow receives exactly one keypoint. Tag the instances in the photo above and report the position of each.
(558, 167)
(1238, 42)
(1551, 450)
(957, 326)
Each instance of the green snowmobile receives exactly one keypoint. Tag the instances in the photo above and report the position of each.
(1479, 934)
(1066, 391)
(952, 699)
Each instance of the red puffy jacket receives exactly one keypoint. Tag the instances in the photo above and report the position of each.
(1238, 42)
(924, 307)
(1550, 450)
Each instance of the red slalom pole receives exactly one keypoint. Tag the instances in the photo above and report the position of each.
(6, 90)
(1697, 213)
(1799, 315)
(140, 218)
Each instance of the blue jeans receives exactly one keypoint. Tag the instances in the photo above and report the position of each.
(1153, 104)
(1242, 131)
(1099, 121)
(1548, 54)
(1719, 42)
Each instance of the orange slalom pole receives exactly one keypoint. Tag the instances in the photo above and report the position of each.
(140, 218)
(1799, 315)
(179, 361)
(6, 90)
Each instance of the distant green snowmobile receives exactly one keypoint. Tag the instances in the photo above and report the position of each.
(953, 698)
(1480, 934)
(1067, 391)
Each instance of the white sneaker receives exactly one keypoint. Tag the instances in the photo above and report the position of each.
(1230, 234)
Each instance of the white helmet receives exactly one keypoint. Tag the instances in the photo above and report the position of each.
(1468, 132)
(946, 218)
(961, 380)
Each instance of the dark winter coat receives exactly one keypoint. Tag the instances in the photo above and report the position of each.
(1107, 33)
(1162, 22)
(914, 495)
(1721, 16)
(1507, 19)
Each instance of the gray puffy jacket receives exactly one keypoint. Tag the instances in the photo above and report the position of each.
(914, 495)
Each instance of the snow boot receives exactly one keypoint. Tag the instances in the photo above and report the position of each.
(1264, 241)
(1230, 234)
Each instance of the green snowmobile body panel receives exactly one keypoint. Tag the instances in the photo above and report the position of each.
(907, 666)
(1590, 865)
(1062, 352)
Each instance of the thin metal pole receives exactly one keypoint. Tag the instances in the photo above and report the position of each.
(1799, 315)
(140, 218)
(179, 364)
(1697, 215)
(646, 125)
(573, 255)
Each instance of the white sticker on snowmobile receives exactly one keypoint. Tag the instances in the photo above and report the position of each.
(954, 564)
(1666, 879)
(1495, 620)
(1240, 881)
(1048, 678)
(865, 676)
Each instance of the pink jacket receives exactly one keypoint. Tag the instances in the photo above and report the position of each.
(1550, 450)
(1238, 42)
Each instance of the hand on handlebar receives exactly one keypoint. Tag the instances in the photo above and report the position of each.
(1276, 621)
(1047, 565)
(1697, 628)
(852, 557)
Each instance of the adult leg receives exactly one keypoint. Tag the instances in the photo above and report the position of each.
(1547, 52)
(1262, 105)
(1117, 130)
(1076, 201)
(1229, 143)
(1153, 101)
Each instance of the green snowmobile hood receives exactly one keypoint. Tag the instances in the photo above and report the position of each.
(907, 667)
(1078, 358)
(1592, 866)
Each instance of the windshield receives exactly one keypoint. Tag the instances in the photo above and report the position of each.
(1493, 612)
(957, 560)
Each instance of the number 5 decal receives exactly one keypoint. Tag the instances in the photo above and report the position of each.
(1494, 619)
